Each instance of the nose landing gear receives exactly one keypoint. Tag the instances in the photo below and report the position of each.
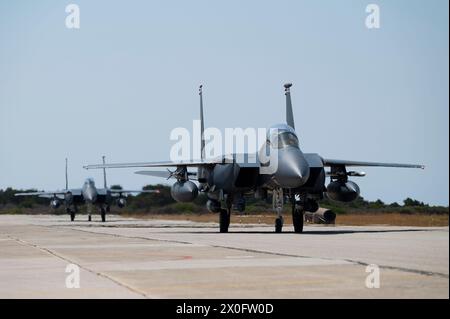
(71, 212)
(298, 210)
(89, 211)
(279, 224)
(277, 202)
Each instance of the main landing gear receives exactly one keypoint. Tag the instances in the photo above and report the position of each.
(103, 213)
(297, 216)
(225, 215)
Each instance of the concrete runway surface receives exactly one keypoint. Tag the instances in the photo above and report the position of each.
(132, 258)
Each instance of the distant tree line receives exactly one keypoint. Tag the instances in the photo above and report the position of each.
(163, 203)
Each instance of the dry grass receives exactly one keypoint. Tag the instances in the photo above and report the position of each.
(392, 219)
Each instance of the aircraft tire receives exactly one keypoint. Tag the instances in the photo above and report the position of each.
(224, 221)
(103, 213)
(278, 225)
(72, 216)
(298, 221)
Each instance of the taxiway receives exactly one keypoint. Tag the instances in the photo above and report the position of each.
(132, 258)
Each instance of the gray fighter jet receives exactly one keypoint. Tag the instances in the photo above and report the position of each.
(299, 177)
(88, 194)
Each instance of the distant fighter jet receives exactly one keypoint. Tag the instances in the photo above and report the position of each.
(89, 194)
(299, 177)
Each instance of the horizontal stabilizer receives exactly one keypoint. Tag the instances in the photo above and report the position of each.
(122, 191)
(164, 174)
(351, 173)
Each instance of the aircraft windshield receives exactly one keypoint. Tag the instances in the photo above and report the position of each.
(284, 139)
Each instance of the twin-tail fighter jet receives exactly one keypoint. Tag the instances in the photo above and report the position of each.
(299, 178)
(88, 194)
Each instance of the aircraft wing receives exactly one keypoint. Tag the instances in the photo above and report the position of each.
(244, 160)
(334, 162)
(50, 193)
(159, 164)
(40, 193)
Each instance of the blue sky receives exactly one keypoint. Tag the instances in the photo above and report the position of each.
(129, 75)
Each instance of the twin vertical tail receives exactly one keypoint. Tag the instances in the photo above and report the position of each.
(289, 112)
(105, 185)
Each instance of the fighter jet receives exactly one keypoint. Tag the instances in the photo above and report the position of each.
(88, 194)
(299, 178)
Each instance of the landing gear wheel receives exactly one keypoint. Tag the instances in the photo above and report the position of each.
(72, 215)
(89, 218)
(298, 219)
(224, 220)
(103, 213)
(278, 225)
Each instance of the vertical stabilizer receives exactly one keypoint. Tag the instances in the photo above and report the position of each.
(202, 124)
(105, 185)
(289, 112)
(67, 178)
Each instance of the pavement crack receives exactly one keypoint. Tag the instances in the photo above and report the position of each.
(249, 250)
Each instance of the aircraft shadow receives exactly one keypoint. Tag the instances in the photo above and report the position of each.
(308, 232)
(199, 229)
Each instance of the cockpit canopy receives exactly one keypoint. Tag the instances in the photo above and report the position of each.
(282, 135)
(89, 181)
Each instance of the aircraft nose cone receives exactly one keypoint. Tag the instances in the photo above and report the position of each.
(293, 170)
(90, 195)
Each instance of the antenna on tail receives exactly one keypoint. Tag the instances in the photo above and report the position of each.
(289, 112)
